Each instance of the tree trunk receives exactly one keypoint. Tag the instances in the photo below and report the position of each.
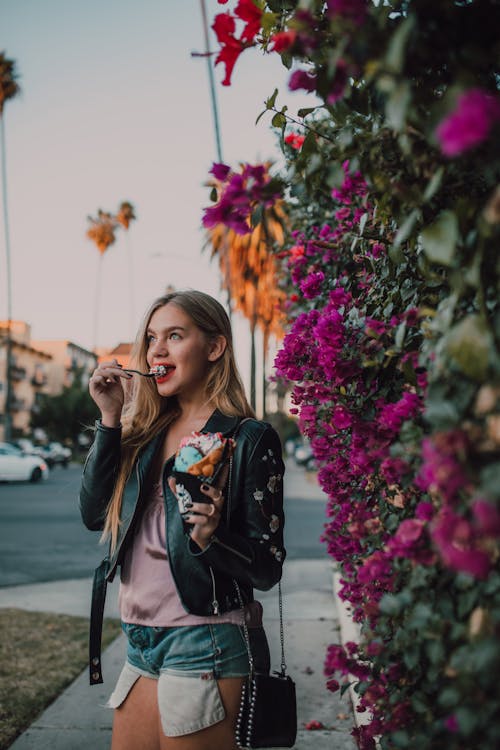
(252, 366)
(8, 273)
(265, 347)
(97, 302)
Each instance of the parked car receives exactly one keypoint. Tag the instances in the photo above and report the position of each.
(27, 446)
(56, 453)
(16, 465)
(304, 456)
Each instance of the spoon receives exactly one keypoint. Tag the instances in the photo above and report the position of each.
(157, 371)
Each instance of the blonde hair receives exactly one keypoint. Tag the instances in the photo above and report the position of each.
(146, 413)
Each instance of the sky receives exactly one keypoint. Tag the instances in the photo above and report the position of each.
(114, 107)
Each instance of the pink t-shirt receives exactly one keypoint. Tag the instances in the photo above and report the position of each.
(148, 595)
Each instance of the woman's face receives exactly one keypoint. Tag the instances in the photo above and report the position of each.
(175, 342)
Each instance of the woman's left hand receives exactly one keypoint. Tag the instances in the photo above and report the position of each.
(204, 517)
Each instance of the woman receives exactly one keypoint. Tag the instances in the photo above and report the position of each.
(184, 579)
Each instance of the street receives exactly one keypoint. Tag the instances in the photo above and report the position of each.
(42, 537)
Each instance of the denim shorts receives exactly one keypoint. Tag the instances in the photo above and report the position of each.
(187, 661)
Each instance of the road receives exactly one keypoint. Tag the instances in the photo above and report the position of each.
(43, 539)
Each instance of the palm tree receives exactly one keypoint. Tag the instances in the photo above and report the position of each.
(9, 88)
(102, 232)
(248, 268)
(124, 217)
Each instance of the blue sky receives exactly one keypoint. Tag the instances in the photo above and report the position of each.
(113, 107)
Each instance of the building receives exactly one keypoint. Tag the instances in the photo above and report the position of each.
(28, 376)
(37, 367)
(68, 361)
(121, 353)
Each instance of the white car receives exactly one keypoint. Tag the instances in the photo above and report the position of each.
(16, 465)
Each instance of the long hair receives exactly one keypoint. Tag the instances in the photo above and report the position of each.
(146, 413)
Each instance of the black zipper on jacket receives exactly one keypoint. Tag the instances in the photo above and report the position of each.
(215, 603)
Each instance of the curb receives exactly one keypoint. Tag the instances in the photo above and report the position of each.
(349, 631)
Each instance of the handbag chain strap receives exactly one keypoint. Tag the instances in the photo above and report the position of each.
(280, 602)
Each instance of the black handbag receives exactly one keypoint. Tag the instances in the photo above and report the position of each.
(268, 709)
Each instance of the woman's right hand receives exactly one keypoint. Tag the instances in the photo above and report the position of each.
(106, 389)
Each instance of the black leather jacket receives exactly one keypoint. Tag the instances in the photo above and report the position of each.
(247, 544)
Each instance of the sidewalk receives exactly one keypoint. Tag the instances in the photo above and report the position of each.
(78, 720)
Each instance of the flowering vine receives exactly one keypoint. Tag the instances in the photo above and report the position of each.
(393, 345)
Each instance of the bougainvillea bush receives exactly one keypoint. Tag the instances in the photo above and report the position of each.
(392, 276)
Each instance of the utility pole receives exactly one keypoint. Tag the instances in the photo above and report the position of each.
(215, 112)
(213, 97)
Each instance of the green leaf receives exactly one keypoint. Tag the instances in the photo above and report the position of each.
(390, 605)
(314, 163)
(279, 120)
(421, 615)
(400, 335)
(467, 719)
(362, 223)
(268, 21)
(468, 344)
(441, 414)
(272, 99)
(397, 105)
(396, 49)
(305, 111)
(257, 213)
(435, 651)
(449, 697)
(440, 239)
(490, 479)
(335, 175)
(213, 195)
(401, 738)
(309, 145)
(345, 686)
(411, 656)
(406, 228)
(433, 184)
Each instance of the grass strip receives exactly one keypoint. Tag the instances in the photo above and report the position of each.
(40, 655)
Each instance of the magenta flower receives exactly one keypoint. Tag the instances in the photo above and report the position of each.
(424, 511)
(377, 250)
(301, 79)
(441, 470)
(470, 123)
(240, 193)
(392, 416)
(487, 517)
(411, 541)
(220, 171)
(456, 541)
(341, 417)
(332, 685)
(311, 286)
(393, 469)
(338, 84)
(374, 327)
(451, 723)
(352, 10)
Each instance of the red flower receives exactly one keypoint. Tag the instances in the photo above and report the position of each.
(224, 26)
(231, 48)
(295, 140)
(314, 725)
(283, 40)
(251, 14)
